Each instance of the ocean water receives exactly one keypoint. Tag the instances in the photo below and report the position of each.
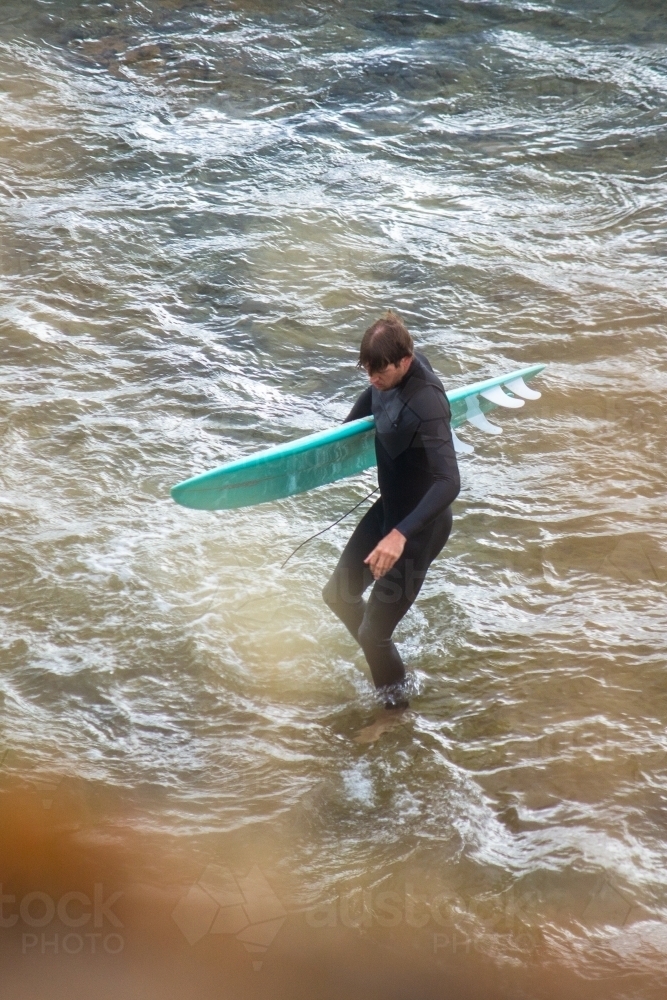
(203, 205)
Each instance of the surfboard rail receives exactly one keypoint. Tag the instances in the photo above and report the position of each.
(338, 452)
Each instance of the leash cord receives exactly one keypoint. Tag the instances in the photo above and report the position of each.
(332, 525)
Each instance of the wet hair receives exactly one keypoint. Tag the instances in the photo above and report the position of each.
(386, 342)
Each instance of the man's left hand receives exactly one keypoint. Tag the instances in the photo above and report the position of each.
(385, 553)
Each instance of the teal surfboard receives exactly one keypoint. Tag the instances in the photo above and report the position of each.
(334, 454)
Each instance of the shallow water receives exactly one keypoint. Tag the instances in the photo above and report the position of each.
(203, 206)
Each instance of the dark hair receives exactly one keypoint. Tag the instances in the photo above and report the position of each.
(386, 342)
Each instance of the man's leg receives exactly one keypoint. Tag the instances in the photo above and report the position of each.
(351, 577)
(391, 597)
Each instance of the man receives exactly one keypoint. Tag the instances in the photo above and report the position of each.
(402, 533)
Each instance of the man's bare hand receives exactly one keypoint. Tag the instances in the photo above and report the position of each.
(385, 553)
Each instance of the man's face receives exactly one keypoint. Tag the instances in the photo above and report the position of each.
(390, 375)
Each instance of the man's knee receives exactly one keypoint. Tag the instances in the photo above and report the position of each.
(383, 613)
(366, 634)
(330, 593)
(342, 589)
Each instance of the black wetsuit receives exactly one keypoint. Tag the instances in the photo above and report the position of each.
(418, 478)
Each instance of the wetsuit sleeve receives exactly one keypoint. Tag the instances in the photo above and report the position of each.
(435, 437)
(362, 407)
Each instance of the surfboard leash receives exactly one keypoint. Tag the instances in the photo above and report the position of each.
(332, 525)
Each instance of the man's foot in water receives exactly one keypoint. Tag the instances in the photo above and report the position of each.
(388, 718)
(396, 701)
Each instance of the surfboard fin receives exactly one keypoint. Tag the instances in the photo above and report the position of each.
(519, 388)
(500, 398)
(477, 418)
(461, 447)
(472, 403)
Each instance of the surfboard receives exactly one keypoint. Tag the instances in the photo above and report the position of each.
(324, 457)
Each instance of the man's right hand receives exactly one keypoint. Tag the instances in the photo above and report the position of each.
(386, 553)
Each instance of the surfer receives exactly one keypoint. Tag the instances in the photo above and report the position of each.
(402, 533)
